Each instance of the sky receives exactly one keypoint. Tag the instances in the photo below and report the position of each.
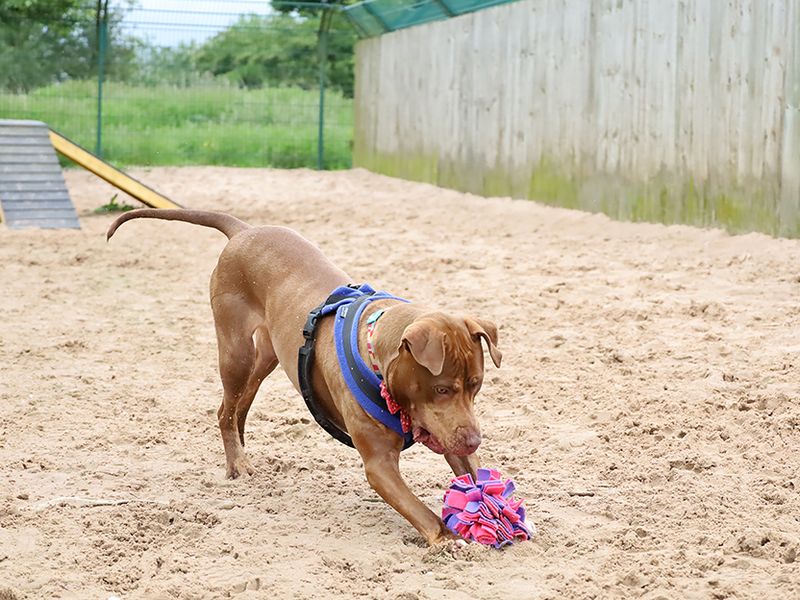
(169, 22)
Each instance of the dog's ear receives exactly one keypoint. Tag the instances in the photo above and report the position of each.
(426, 344)
(481, 328)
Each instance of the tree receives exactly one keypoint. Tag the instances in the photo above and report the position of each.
(170, 65)
(45, 41)
(289, 7)
(278, 50)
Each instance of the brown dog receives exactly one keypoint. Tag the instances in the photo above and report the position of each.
(266, 281)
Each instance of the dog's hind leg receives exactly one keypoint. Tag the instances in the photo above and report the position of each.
(236, 321)
(265, 363)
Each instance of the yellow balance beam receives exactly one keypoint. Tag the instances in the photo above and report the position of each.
(112, 175)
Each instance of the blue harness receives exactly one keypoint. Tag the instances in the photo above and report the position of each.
(348, 303)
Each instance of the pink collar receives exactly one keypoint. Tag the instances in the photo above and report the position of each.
(394, 407)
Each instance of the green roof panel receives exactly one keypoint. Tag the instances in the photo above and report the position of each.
(375, 17)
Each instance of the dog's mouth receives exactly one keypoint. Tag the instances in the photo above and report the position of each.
(425, 437)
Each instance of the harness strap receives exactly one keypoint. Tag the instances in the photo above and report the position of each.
(305, 362)
(365, 384)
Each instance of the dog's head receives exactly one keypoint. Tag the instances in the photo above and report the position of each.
(435, 376)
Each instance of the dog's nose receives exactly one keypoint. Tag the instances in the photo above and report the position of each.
(472, 439)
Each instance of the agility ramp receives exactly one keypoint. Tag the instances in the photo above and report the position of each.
(32, 189)
(111, 174)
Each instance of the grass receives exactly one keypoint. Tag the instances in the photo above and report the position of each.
(214, 124)
(112, 206)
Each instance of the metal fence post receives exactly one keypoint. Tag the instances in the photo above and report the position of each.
(102, 36)
(323, 58)
(322, 48)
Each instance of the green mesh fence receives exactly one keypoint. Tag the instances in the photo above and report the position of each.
(176, 86)
(375, 17)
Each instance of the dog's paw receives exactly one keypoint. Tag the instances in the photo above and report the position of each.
(454, 544)
(240, 467)
(445, 550)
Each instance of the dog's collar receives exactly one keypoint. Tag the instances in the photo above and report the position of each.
(394, 407)
(371, 323)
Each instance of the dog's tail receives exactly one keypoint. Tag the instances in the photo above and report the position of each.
(227, 224)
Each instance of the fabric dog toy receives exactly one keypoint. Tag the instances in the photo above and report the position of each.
(485, 511)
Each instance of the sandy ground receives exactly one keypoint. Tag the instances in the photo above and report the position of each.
(648, 405)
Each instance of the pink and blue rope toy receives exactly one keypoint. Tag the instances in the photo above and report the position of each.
(485, 511)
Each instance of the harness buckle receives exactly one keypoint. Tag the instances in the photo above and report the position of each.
(311, 324)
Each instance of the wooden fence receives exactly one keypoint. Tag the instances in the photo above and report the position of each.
(678, 111)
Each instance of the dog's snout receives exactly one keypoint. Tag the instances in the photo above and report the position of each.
(468, 441)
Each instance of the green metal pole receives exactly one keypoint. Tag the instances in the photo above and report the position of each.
(101, 60)
(323, 58)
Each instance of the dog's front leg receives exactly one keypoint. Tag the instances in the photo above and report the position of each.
(382, 465)
(462, 465)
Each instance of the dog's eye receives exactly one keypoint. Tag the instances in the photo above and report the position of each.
(441, 390)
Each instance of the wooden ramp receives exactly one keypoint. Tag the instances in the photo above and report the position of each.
(110, 173)
(32, 189)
